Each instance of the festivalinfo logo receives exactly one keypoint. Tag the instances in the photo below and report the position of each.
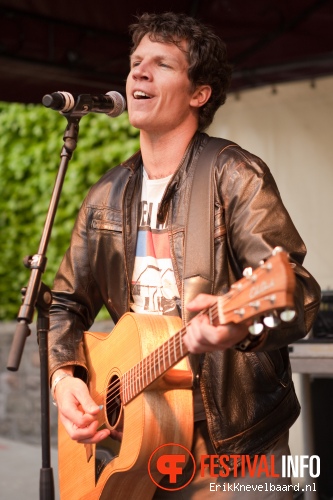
(177, 465)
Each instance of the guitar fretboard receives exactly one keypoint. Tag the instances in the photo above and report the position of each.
(267, 289)
(144, 373)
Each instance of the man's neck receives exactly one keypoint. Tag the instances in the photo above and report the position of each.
(163, 155)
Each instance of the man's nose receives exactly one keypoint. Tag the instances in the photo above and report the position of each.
(141, 71)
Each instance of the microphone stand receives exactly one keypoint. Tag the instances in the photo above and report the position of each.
(38, 295)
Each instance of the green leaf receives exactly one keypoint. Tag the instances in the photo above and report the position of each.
(30, 146)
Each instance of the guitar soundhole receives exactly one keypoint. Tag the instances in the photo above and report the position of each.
(109, 448)
(113, 401)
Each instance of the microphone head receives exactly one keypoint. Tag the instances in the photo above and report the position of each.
(118, 102)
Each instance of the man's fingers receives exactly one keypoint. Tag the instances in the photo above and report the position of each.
(98, 436)
(201, 301)
(86, 433)
(75, 402)
(201, 336)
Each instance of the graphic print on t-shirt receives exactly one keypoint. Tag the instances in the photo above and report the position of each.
(154, 288)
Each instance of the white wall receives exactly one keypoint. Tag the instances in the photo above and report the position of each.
(291, 129)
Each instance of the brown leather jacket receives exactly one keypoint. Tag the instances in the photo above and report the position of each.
(249, 397)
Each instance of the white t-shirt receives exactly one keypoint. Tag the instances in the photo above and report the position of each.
(154, 289)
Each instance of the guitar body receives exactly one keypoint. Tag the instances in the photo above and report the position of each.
(160, 414)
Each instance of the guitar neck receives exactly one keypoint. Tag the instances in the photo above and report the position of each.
(268, 289)
(153, 366)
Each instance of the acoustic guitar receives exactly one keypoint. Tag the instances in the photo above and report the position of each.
(140, 374)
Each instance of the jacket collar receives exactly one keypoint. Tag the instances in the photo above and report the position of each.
(192, 152)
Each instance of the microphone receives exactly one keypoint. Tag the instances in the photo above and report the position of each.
(112, 103)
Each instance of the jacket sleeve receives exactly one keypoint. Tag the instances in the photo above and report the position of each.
(257, 222)
(76, 302)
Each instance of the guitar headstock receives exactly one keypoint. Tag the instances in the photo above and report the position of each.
(267, 292)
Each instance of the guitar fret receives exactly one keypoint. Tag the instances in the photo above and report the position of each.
(169, 354)
(140, 377)
(174, 347)
(137, 379)
(150, 369)
(144, 373)
(155, 376)
(163, 357)
(132, 382)
(180, 343)
(157, 362)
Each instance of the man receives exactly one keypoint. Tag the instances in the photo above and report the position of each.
(246, 402)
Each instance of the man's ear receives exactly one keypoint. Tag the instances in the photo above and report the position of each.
(201, 95)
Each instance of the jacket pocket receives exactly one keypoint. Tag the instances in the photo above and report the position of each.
(106, 225)
(105, 219)
(272, 367)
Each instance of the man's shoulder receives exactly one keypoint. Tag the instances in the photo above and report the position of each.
(114, 180)
(233, 155)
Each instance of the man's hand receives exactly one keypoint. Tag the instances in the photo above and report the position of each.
(201, 336)
(77, 410)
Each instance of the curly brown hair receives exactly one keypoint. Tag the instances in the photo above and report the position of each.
(206, 54)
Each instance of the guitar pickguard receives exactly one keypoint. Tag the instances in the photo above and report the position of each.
(105, 451)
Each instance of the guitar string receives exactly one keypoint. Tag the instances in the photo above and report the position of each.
(165, 347)
(150, 360)
(213, 313)
(151, 363)
(139, 369)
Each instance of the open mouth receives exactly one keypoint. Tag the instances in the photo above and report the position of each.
(138, 94)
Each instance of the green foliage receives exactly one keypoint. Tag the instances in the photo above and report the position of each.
(30, 146)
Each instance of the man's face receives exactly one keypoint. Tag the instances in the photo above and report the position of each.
(159, 93)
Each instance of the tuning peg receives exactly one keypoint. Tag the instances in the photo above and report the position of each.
(288, 315)
(256, 328)
(248, 274)
(277, 250)
(272, 320)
